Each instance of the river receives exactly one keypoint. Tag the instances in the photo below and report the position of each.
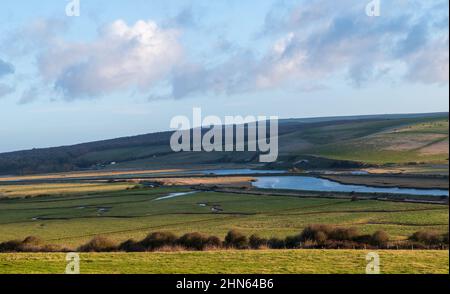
(307, 183)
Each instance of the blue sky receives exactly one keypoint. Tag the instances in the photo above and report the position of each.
(127, 67)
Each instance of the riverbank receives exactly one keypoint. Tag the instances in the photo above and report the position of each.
(330, 195)
(391, 181)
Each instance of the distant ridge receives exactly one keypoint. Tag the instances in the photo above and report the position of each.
(299, 137)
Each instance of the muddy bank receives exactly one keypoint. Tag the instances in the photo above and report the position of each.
(211, 180)
(330, 195)
(386, 181)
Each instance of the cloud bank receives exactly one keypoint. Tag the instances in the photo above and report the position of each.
(310, 43)
(319, 40)
(122, 57)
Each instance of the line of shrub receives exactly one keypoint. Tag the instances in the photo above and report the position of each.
(30, 244)
(312, 237)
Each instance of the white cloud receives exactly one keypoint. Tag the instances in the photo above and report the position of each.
(309, 43)
(319, 40)
(122, 57)
(332, 40)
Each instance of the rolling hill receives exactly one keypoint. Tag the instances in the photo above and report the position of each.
(307, 143)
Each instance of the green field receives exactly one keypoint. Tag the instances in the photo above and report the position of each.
(72, 220)
(232, 262)
(74, 217)
(398, 141)
(418, 142)
(415, 139)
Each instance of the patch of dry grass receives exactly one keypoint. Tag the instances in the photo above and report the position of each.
(33, 190)
(221, 181)
(436, 148)
(73, 175)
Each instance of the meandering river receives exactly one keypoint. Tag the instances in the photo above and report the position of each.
(318, 184)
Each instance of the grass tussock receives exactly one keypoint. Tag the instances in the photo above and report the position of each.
(29, 244)
(99, 244)
(431, 238)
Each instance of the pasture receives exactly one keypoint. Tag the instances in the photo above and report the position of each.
(231, 262)
(418, 142)
(71, 220)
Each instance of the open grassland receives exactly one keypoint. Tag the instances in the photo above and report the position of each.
(231, 262)
(421, 140)
(399, 139)
(416, 142)
(20, 191)
(73, 220)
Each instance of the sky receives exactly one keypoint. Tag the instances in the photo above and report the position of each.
(123, 68)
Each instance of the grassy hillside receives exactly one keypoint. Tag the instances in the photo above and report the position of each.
(72, 220)
(417, 142)
(376, 140)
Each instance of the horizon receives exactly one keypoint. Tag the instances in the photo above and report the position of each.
(120, 70)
